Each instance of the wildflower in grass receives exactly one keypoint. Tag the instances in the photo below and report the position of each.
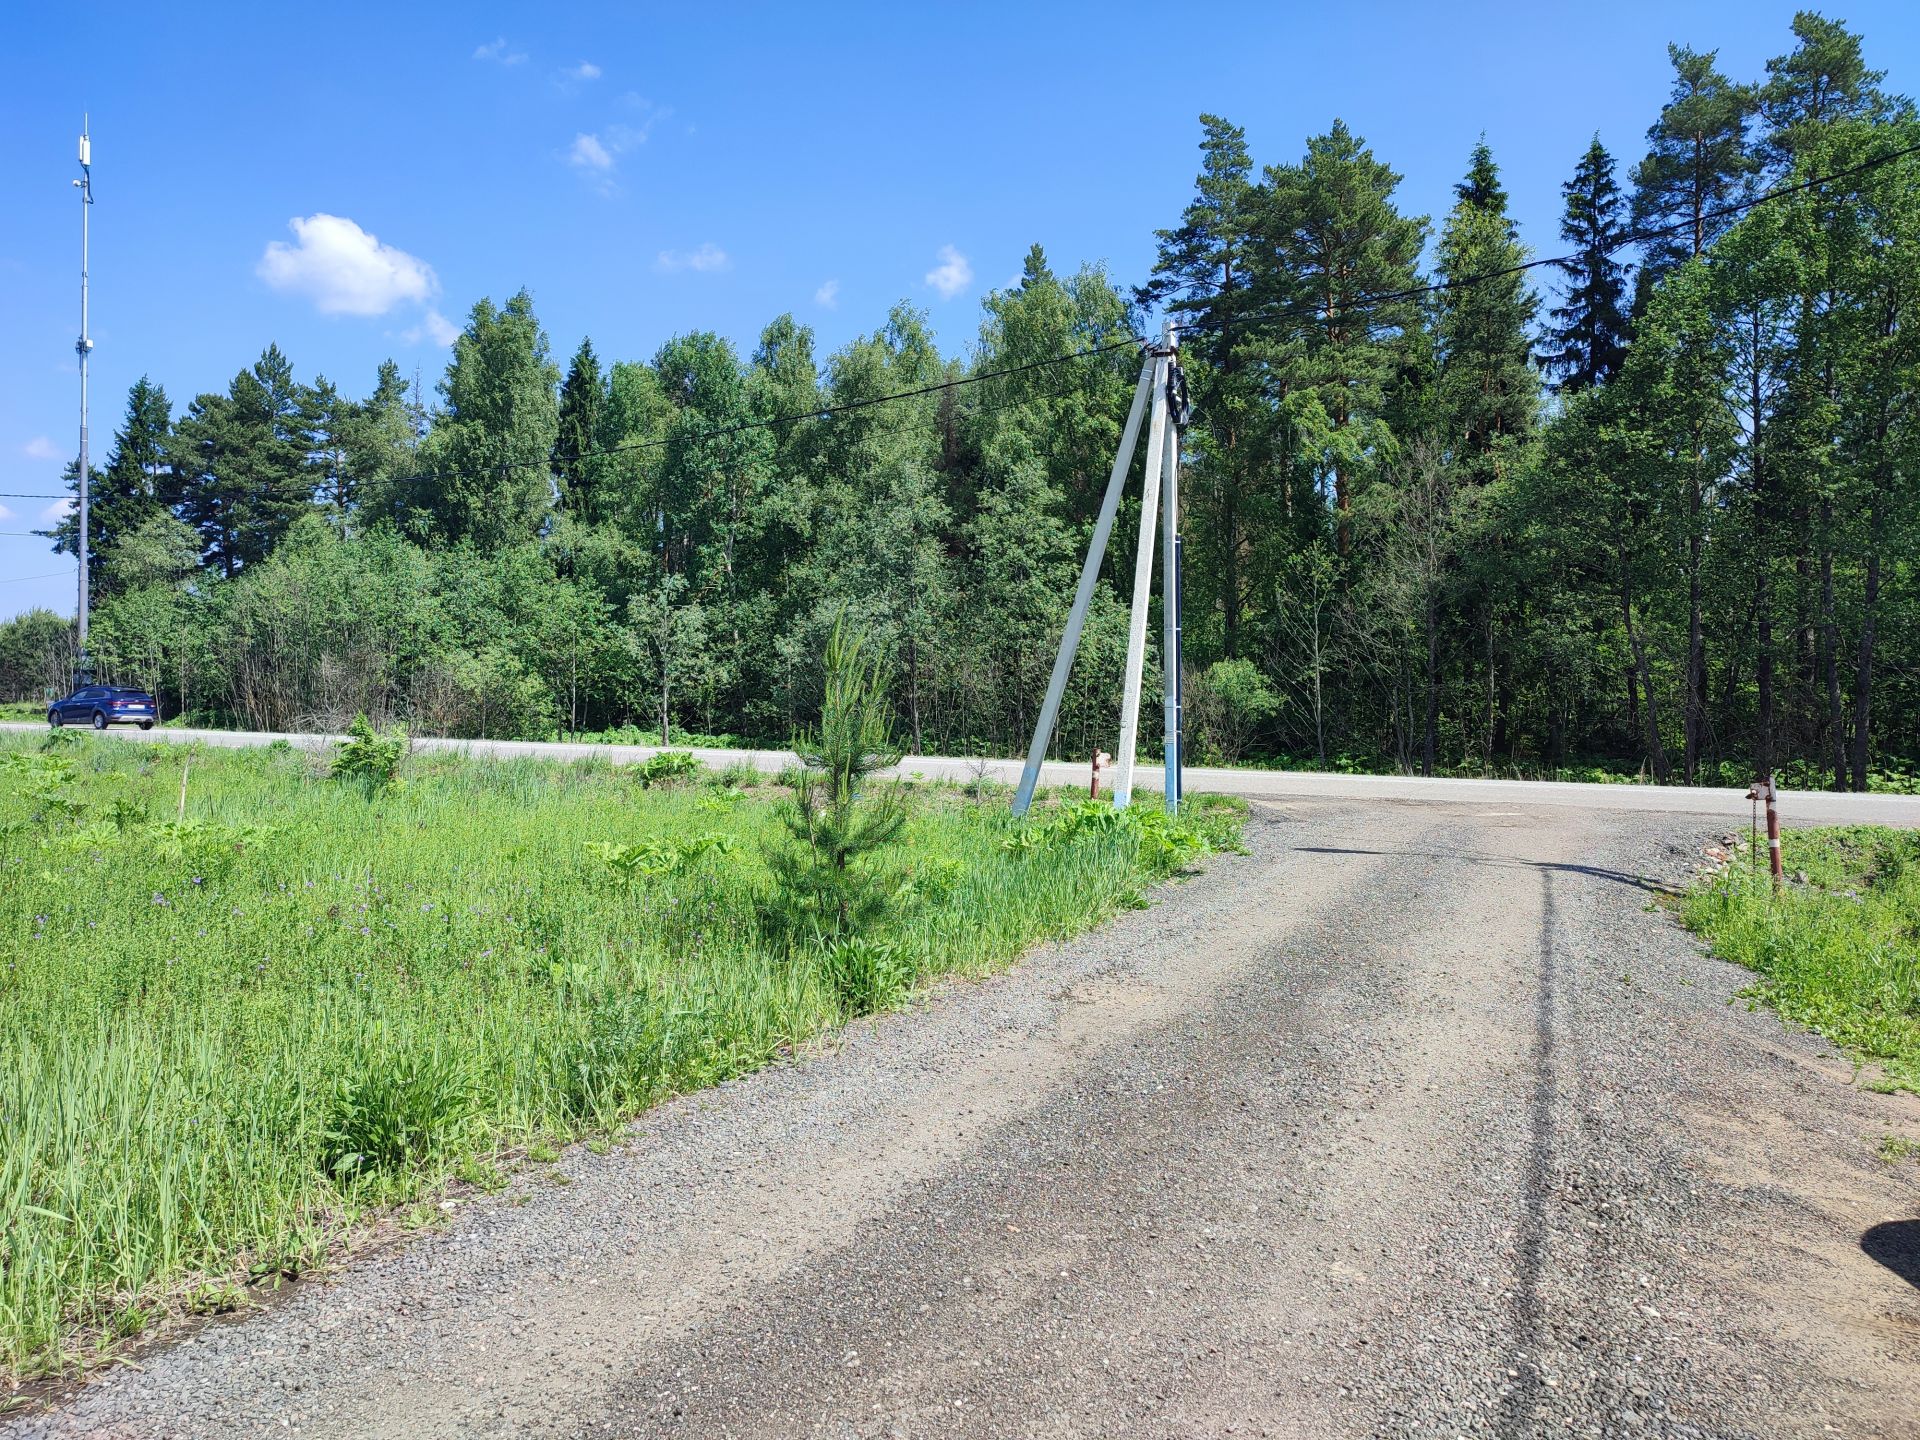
(158, 898)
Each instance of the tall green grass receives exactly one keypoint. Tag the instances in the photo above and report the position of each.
(228, 1031)
(1837, 951)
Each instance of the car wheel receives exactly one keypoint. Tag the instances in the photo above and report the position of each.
(53, 718)
(146, 724)
(99, 719)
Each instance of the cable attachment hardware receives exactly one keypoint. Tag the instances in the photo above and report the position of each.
(1179, 402)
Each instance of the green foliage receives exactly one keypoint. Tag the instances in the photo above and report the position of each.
(399, 1111)
(1227, 703)
(669, 767)
(371, 757)
(866, 975)
(1837, 951)
(831, 878)
(221, 1043)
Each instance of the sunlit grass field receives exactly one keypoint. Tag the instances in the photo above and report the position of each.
(232, 1025)
(1837, 951)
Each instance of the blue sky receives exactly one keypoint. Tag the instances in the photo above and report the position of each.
(650, 169)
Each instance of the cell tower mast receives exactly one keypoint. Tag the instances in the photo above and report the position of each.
(83, 347)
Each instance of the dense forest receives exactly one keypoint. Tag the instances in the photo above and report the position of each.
(1652, 505)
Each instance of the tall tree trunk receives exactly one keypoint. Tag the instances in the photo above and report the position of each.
(1830, 652)
(1429, 740)
(1863, 669)
(1763, 584)
(1692, 717)
(1656, 747)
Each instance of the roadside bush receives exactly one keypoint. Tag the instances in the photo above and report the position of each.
(669, 767)
(370, 756)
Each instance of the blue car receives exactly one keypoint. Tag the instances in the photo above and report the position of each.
(104, 705)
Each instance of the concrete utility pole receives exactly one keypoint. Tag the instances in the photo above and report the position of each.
(83, 347)
(1155, 398)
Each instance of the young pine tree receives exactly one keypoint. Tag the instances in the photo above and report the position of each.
(837, 822)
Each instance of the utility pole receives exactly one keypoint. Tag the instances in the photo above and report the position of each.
(1161, 399)
(82, 347)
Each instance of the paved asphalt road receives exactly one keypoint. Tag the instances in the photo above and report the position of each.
(1419, 1120)
(1813, 807)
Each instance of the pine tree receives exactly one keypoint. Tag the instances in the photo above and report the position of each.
(1821, 82)
(1331, 240)
(242, 462)
(1588, 340)
(1696, 163)
(583, 396)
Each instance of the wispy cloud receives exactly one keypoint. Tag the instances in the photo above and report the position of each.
(498, 53)
(40, 448)
(708, 257)
(827, 297)
(343, 269)
(585, 70)
(433, 326)
(953, 274)
(6, 514)
(57, 511)
(588, 152)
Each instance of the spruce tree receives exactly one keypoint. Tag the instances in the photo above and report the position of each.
(1588, 339)
(135, 486)
(1487, 389)
(582, 398)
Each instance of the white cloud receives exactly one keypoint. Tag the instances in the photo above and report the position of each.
(707, 258)
(585, 70)
(952, 275)
(343, 269)
(6, 514)
(828, 295)
(589, 154)
(433, 326)
(498, 52)
(57, 511)
(40, 448)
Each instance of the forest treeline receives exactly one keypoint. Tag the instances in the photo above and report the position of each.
(1651, 505)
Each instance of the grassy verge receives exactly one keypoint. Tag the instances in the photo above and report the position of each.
(232, 1028)
(1839, 950)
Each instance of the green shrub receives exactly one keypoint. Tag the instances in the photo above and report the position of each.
(372, 757)
(669, 767)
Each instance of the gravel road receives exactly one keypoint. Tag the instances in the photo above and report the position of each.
(1422, 1119)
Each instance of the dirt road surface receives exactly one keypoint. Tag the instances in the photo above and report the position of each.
(1422, 1119)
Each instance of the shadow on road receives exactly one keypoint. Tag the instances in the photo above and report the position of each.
(1511, 862)
(1896, 1245)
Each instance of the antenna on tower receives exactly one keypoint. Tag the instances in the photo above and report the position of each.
(83, 348)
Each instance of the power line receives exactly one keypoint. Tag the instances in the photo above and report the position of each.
(34, 495)
(1632, 238)
(50, 575)
(821, 412)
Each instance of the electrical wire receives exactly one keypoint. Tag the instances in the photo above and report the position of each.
(50, 575)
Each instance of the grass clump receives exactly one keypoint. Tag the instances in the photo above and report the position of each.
(234, 1024)
(1838, 949)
